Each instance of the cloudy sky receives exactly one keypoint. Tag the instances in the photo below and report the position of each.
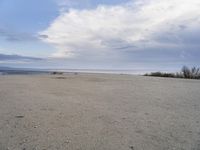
(100, 34)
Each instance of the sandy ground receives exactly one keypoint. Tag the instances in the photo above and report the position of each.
(98, 112)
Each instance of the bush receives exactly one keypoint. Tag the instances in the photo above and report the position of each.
(193, 73)
(188, 73)
(160, 74)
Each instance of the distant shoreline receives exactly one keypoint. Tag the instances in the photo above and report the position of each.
(16, 71)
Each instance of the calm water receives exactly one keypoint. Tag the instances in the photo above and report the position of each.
(48, 71)
(18, 72)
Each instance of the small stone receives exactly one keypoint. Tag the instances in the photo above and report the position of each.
(19, 116)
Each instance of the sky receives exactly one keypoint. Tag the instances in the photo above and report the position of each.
(100, 34)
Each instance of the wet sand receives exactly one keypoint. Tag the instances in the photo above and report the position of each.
(98, 112)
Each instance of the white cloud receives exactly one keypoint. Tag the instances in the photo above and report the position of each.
(134, 25)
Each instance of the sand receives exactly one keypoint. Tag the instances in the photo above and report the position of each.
(98, 112)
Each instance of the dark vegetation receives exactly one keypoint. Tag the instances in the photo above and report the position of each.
(186, 72)
(57, 73)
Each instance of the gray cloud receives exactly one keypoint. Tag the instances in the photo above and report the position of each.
(179, 35)
(4, 57)
(42, 36)
(13, 36)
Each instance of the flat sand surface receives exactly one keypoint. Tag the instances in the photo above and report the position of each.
(98, 112)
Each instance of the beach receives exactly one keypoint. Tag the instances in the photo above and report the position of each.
(98, 112)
